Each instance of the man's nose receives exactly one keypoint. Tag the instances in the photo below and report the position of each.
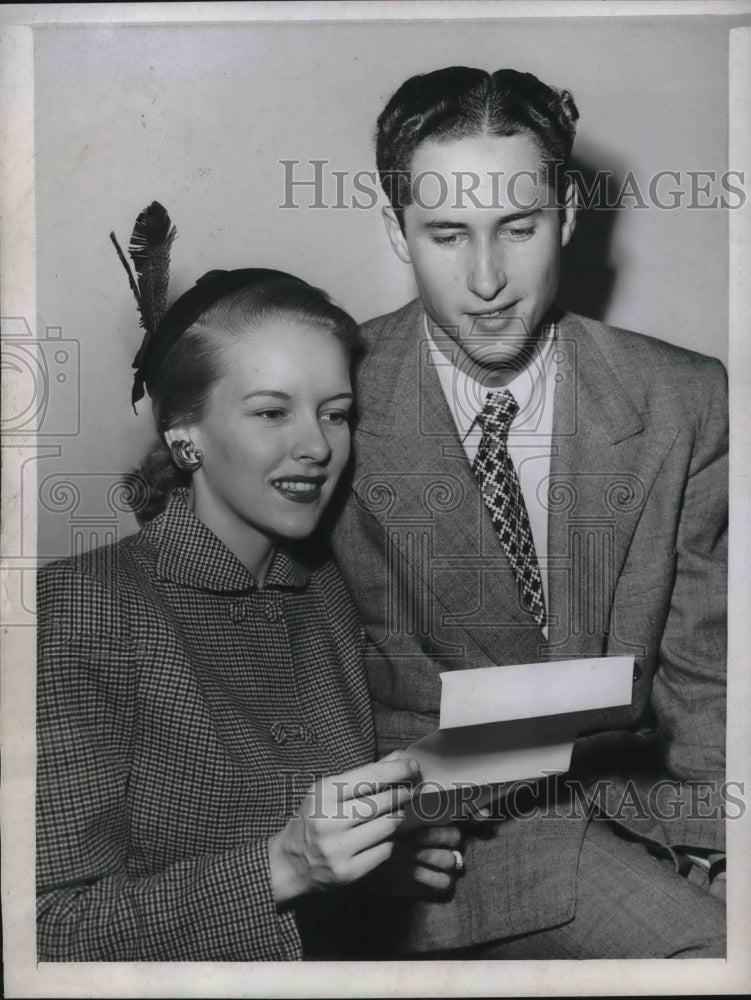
(311, 444)
(487, 274)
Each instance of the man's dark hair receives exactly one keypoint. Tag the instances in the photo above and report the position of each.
(459, 102)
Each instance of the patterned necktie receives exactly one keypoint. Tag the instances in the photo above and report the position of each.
(499, 484)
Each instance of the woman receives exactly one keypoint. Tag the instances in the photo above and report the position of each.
(198, 680)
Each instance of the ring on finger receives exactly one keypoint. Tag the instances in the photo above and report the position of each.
(458, 860)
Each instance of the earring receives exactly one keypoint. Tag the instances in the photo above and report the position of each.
(186, 456)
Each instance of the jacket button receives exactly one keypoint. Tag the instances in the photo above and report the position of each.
(282, 733)
(237, 611)
(272, 613)
(637, 671)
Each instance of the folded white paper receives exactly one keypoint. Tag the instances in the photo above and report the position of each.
(531, 690)
(504, 724)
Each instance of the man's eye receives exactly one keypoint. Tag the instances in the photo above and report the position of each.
(519, 233)
(447, 241)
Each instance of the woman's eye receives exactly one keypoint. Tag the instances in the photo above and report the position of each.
(275, 414)
(336, 417)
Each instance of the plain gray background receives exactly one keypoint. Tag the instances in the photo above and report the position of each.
(198, 117)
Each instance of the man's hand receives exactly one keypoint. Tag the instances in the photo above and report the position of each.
(717, 886)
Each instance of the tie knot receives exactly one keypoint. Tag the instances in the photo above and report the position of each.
(499, 410)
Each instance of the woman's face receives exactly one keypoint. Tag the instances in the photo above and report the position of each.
(274, 436)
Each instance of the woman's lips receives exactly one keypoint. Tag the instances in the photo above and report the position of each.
(300, 490)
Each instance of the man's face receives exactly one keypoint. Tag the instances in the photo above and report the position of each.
(486, 261)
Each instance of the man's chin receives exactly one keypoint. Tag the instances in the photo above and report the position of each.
(504, 362)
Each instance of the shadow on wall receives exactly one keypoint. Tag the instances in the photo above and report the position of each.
(587, 276)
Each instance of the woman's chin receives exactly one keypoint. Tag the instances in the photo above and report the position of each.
(300, 527)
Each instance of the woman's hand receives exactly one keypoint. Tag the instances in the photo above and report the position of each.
(425, 861)
(343, 829)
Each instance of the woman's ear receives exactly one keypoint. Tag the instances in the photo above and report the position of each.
(185, 448)
(181, 433)
(174, 434)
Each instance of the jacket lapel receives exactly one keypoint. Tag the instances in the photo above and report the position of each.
(605, 458)
(414, 478)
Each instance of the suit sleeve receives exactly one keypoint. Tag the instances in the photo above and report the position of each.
(689, 687)
(89, 905)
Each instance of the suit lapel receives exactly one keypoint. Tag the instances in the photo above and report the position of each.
(605, 458)
(414, 478)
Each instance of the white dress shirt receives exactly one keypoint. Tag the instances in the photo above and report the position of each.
(530, 437)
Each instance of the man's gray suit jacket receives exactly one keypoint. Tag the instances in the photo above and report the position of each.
(637, 514)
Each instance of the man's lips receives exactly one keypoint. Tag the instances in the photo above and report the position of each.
(300, 489)
(492, 321)
(495, 313)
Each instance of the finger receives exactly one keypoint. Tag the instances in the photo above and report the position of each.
(375, 831)
(432, 879)
(441, 859)
(718, 886)
(435, 836)
(373, 777)
(366, 861)
(367, 807)
(476, 813)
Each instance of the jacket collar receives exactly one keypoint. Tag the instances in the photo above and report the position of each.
(412, 475)
(190, 554)
(588, 380)
(588, 376)
(411, 466)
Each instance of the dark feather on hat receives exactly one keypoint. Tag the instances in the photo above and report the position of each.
(149, 249)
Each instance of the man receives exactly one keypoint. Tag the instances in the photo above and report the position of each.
(534, 485)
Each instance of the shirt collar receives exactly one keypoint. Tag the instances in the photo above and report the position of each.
(190, 553)
(529, 387)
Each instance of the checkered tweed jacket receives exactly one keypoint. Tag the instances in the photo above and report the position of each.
(181, 714)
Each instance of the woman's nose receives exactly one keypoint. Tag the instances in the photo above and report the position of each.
(311, 443)
(487, 276)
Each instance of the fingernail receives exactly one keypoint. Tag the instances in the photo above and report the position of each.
(414, 766)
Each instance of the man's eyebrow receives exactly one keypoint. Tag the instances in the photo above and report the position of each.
(511, 217)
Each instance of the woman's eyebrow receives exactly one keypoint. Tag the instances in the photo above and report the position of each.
(267, 392)
(277, 394)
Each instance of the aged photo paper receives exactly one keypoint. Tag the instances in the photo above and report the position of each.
(253, 124)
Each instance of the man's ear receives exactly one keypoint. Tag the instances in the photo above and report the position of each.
(568, 213)
(395, 235)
